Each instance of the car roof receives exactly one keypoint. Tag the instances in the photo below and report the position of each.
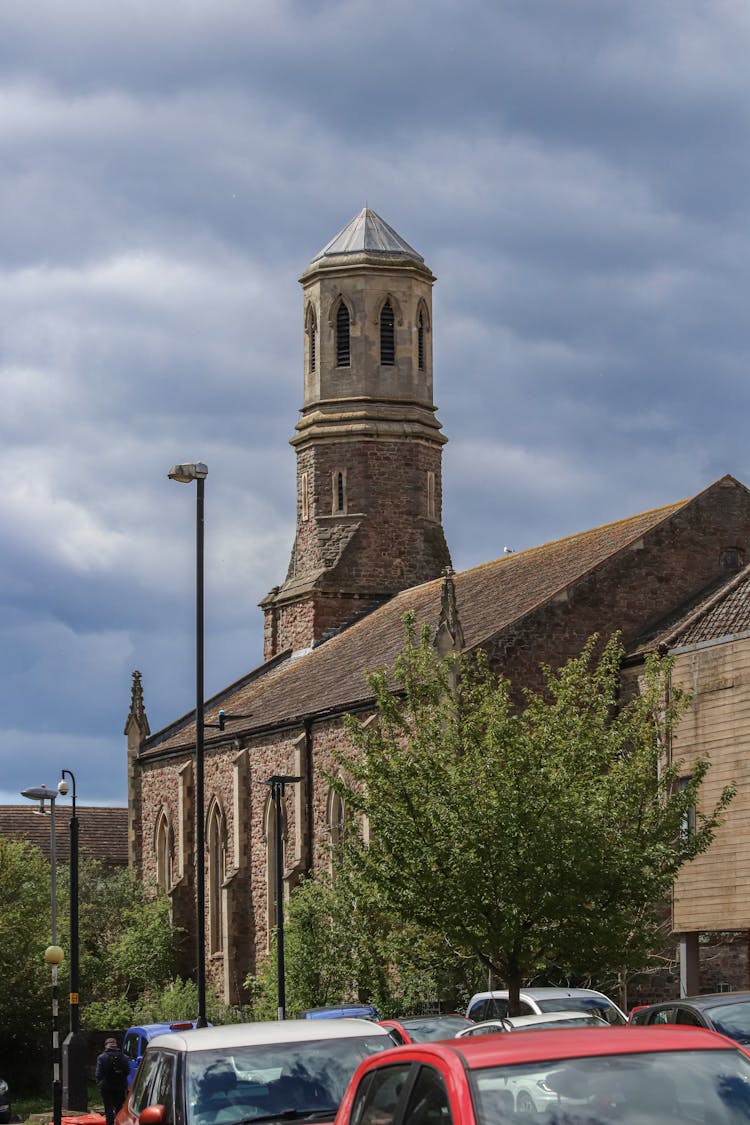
(540, 993)
(477, 1052)
(706, 1000)
(267, 1031)
(532, 1018)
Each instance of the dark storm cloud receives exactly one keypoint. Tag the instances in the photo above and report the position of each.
(575, 173)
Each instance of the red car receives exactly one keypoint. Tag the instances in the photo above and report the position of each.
(423, 1029)
(586, 1076)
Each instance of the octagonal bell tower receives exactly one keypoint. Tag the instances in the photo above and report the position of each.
(368, 444)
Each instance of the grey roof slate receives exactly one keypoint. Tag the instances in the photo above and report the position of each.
(367, 233)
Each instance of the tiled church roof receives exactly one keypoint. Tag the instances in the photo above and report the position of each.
(491, 598)
(102, 833)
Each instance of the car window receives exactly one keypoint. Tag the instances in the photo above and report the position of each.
(162, 1087)
(687, 1018)
(428, 1101)
(732, 1019)
(140, 1097)
(663, 1015)
(599, 1006)
(377, 1098)
(130, 1044)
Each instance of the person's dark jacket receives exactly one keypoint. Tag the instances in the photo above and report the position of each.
(112, 1070)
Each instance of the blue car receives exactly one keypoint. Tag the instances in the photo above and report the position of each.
(342, 1011)
(135, 1040)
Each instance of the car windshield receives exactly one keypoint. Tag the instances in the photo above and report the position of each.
(599, 1005)
(732, 1020)
(290, 1080)
(425, 1029)
(664, 1087)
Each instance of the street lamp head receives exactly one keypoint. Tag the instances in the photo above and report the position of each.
(186, 473)
(63, 788)
(54, 955)
(41, 794)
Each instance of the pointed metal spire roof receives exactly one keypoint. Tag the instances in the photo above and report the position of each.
(367, 233)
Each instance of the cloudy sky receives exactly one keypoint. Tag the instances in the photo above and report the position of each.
(576, 173)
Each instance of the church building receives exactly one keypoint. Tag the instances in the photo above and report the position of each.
(369, 547)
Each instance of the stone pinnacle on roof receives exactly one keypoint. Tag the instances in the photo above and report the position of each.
(367, 233)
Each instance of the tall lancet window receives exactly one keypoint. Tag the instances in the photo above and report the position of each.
(420, 340)
(163, 850)
(339, 491)
(312, 329)
(387, 340)
(216, 870)
(343, 353)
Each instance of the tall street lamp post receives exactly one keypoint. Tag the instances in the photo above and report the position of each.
(186, 474)
(278, 784)
(74, 1050)
(53, 955)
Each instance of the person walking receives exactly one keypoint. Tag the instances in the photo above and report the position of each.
(112, 1071)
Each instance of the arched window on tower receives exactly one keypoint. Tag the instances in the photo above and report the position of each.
(343, 354)
(163, 852)
(431, 495)
(304, 497)
(339, 492)
(420, 340)
(387, 339)
(312, 330)
(216, 836)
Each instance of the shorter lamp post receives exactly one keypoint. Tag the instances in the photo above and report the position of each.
(74, 1049)
(53, 954)
(278, 784)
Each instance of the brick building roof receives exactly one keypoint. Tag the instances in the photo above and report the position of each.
(491, 598)
(102, 833)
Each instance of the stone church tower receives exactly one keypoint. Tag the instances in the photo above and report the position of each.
(368, 444)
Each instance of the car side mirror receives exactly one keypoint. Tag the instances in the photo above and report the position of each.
(153, 1115)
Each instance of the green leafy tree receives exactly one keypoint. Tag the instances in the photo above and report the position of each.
(342, 942)
(541, 838)
(25, 980)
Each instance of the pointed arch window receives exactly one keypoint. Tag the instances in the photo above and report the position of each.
(312, 329)
(304, 497)
(163, 851)
(343, 352)
(339, 492)
(387, 336)
(431, 495)
(216, 872)
(420, 340)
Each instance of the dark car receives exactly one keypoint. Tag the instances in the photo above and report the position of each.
(726, 1012)
(4, 1101)
(425, 1029)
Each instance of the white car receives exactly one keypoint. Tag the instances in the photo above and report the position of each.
(494, 1005)
(275, 1069)
(536, 1021)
